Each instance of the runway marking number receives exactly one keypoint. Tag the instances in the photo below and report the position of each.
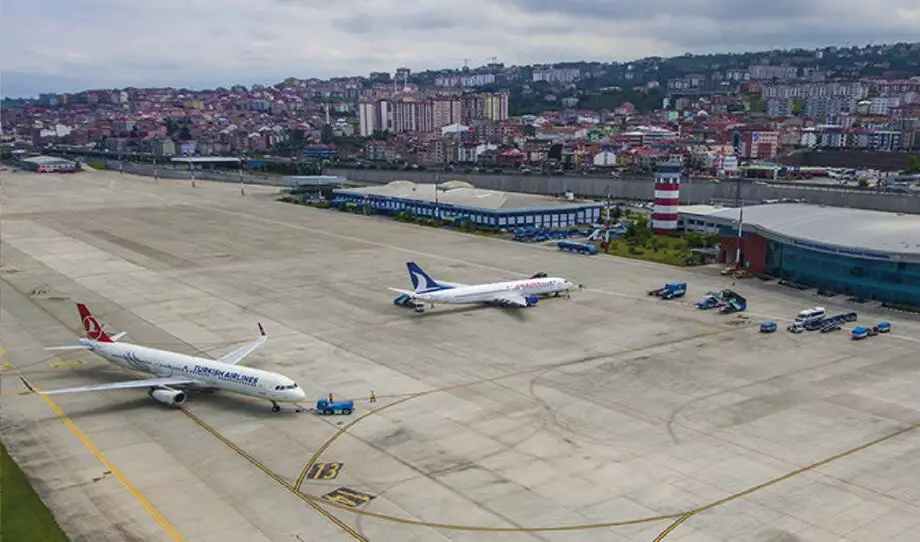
(324, 471)
(348, 497)
(68, 364)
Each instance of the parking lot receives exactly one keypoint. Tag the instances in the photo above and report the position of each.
(608, 416)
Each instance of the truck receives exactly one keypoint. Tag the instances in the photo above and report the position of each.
(323, 406)
(821, 323)
(859, 332)
(734, 302)
(670, 290)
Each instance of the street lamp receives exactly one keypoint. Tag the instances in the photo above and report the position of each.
(242, 186)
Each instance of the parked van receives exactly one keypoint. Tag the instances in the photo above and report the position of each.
(814, 313)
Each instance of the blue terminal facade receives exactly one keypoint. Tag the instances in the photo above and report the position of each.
(550, 216)
(867, 275)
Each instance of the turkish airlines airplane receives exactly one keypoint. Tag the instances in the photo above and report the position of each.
(515, 293)
(172, 370)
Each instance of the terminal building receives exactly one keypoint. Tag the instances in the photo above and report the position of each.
(46, 164)
(866, 254)
(460, 200)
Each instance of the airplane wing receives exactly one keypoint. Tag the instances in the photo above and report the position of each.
(128, 384)
(511, 299)
(237, 355)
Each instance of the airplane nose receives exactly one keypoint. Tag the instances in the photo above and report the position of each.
(299, 394)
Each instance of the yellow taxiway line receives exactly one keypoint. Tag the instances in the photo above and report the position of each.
(154, 513)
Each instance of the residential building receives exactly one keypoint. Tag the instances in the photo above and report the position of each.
(446, 111)
(556, 75)
(780, 107)
(495, 106)
(758, 144)
(777, 73)
(367, 118)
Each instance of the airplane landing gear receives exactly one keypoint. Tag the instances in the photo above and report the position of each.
(275, 407)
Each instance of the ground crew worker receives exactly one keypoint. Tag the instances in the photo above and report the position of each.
(373, 397)
(330, 397)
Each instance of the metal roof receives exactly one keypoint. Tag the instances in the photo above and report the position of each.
(854, 232)
(45, 160)
(467, 196)
(314, 180)
(205, 159)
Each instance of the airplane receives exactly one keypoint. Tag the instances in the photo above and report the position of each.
(173, 371)
(515, 293)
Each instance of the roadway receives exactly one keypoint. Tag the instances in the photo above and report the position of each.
(606, 416)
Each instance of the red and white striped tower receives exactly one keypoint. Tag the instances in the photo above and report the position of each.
(667, 198)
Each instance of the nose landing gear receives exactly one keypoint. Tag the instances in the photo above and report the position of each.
(275, 407)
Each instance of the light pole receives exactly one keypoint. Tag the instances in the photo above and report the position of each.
(437, 209)
(242, 186)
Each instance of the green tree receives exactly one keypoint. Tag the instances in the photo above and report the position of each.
(913, 164)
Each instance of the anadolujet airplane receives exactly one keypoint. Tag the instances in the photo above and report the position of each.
(174, 371)
(514, 293)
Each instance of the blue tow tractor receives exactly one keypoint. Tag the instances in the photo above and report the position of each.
(323, 406)
(861, 332)
(768, 327)
(670, 290)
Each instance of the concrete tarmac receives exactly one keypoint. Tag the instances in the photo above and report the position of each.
(607, 416)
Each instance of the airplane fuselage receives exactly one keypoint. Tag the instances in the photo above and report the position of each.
(485, 293)
(207, 373)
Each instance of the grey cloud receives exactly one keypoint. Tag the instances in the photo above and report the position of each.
(357, 24)
(393, 23)
(638, 10)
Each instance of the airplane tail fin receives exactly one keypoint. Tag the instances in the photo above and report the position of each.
(421, 281)
(92, 326)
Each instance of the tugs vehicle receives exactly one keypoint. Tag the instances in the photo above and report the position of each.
(795, 327)
(884, 327)
(670, 290)
(323, 406)
(768, 327)
(859, 332)
(711, 300)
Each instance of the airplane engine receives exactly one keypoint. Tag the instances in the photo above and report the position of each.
(167, 396)
(532, 300)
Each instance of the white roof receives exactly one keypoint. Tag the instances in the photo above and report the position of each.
(838, 227)
(46, 160)
(462, 194)
(204, 159)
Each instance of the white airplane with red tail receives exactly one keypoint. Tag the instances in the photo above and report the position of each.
(173, 372)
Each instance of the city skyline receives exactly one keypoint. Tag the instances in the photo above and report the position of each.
(60, 47)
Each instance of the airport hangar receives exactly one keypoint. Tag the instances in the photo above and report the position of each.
(868, 254)
(460, 200)
(45, 164)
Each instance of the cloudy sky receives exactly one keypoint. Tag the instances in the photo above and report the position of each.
(70, 45)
